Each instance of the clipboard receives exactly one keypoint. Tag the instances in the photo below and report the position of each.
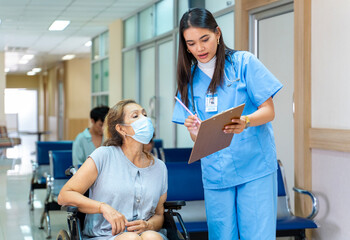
(210, 136)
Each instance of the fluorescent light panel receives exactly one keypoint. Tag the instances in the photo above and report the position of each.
(88, 44)
(28, 57)
(59, 25)
(36, 70)
(23, 61)
(68, 57)
(30, 73)
(7, 70)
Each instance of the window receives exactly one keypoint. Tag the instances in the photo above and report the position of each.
(149, 61)
(100, 70)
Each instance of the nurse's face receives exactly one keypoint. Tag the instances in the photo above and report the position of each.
(202, 43)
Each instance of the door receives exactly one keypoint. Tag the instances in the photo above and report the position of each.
(272, 41)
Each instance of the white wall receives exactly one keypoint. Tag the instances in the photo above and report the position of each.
(330, 50)
(330, 63)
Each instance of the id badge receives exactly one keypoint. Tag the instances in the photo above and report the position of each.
(211, 102)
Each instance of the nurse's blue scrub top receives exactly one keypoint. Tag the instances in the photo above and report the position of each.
(252, 153)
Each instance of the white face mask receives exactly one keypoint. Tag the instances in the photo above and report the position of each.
(143, 129)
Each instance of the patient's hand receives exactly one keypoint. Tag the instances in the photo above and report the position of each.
(115, 218)
(137, 226)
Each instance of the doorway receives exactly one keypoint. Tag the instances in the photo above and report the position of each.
(272, 41)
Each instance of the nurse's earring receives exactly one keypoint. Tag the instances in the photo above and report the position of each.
(218, 41)
(188, 51)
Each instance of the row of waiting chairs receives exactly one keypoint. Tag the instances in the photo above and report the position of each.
(191, 218)
(194, 215)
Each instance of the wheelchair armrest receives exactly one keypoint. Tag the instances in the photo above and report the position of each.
(70, 209)
(174, 205)
(70, 171)
(314, 201)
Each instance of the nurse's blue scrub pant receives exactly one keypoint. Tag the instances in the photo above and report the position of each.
(248, 210)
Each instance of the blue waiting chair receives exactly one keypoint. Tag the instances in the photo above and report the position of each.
(157, 145)
(60, 160)
(41, 165)
(175, 154)
(185, 183)
(287, 223)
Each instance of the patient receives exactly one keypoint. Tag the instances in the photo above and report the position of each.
(127, 185)
(91, 138)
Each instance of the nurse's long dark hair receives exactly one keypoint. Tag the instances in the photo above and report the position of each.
(198, 18)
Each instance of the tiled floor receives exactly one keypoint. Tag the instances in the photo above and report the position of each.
(17, 221)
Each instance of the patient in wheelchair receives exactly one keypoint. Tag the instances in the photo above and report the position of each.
(127, 185)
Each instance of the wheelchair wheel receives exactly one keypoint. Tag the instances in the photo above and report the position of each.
(63, 235)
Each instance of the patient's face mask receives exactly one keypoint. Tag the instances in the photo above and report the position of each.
(143, 129)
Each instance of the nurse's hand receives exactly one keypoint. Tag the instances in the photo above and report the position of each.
(192, 125)
(237, 127)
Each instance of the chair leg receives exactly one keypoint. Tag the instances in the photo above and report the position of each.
(48, 225)
(31, 195)
(301, 235)
(43, 215)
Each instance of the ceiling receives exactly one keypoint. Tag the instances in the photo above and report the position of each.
(24, 28)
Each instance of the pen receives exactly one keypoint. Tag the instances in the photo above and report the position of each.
(177, 99)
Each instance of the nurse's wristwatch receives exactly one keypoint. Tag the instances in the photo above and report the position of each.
(247, 122)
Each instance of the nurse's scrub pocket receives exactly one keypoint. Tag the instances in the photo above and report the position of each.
(249, 156)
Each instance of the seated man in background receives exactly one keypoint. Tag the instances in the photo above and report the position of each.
(91, 138)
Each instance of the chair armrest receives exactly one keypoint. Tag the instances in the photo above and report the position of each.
(174, 204)
(313, 199)
(70, 171)
(70, 209)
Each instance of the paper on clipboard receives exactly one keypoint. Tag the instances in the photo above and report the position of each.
(211, 137)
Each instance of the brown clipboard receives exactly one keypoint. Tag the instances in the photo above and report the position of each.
(210, 137)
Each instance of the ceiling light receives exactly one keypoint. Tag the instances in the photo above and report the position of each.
(59, 25)
(68, 57)
(30, 73)
(0, 20)
(23, 61)
(36, 70)
(28, 57)
(88, 44)
(7, 70)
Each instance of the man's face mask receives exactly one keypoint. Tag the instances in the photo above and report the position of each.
(143, 129)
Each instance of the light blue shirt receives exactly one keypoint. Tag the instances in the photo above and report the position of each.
(82, 147)
(252, 153)
(132, 191)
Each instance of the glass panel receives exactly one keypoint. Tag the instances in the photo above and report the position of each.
(217, 5)
(164, 14)
(96, 77)
(104, 100)
(129, 75)
(183, 138)
(105, 75)
(146, 24)
(147, 81)
(183, 7)
(227, 25)
(166, 94)
(95, 48)
(104, 44)
(94, 102)
(130, 31)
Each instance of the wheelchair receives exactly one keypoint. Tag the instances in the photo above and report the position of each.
(75, 220)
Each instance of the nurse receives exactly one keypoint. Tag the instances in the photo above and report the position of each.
(240, 181)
